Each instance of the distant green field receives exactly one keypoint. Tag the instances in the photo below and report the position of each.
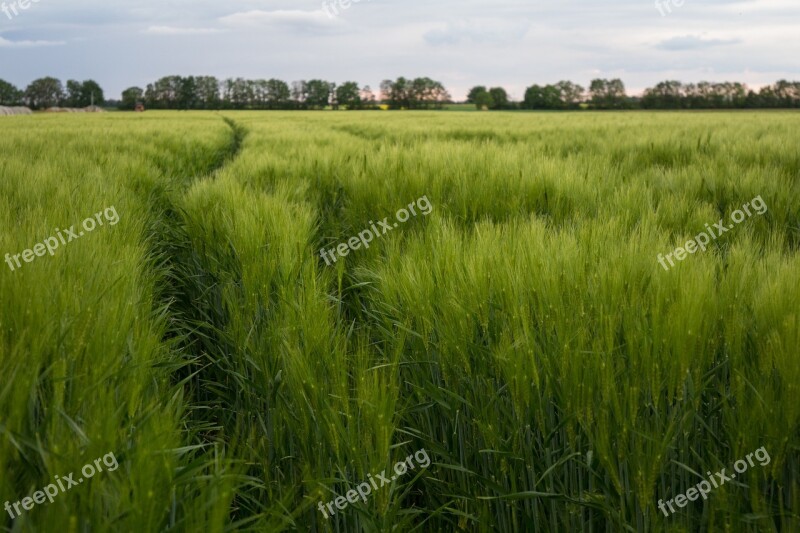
(460, 107)
(524, 334)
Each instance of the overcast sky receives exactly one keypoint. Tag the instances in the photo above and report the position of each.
(511, 43)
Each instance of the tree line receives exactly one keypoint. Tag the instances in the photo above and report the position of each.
(49, 92)
(705, 95)
(610, 94)
(208, 92)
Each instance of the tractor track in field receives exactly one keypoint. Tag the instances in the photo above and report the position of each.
(188, 296)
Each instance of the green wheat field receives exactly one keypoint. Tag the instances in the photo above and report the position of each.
(524, 333)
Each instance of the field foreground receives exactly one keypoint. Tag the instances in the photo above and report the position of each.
(527, 332)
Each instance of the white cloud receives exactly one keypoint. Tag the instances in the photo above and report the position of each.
(497, 31)
(172, 30)
(292, 18)
(761, 6)
(693, 42)
(5, 43)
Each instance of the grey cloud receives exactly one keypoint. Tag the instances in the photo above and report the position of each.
(496, 31)
(288, 19)
(6, 43)
(693, 42)
(172, 30)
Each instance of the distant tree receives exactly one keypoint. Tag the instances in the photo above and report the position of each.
(237, 93)
(499, 98)
(74, 90)
(483, 100)
(735, 94)
(348, 94)
(83, 94)
(318, 93)
(387, 92)
(419, 93)
(571, 94)
(534, 97)
(608, 94)
(665, 95)
(9, 94)
(786, 93)
(278, 94)
(433, 94)
(696, 96)
(597, 92)
(187, 93)
(258, 89)
(148, 95)
(767, 97)
(616, 93)
(207, 93)
(165, 93)
(402, 92)
(474, 92)
(396, 93)
(299, 94)
(130, 97)
(552, 97)
(368, 100)
(91, 92)
(752, 100)
(44, 92)
(543, 97)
